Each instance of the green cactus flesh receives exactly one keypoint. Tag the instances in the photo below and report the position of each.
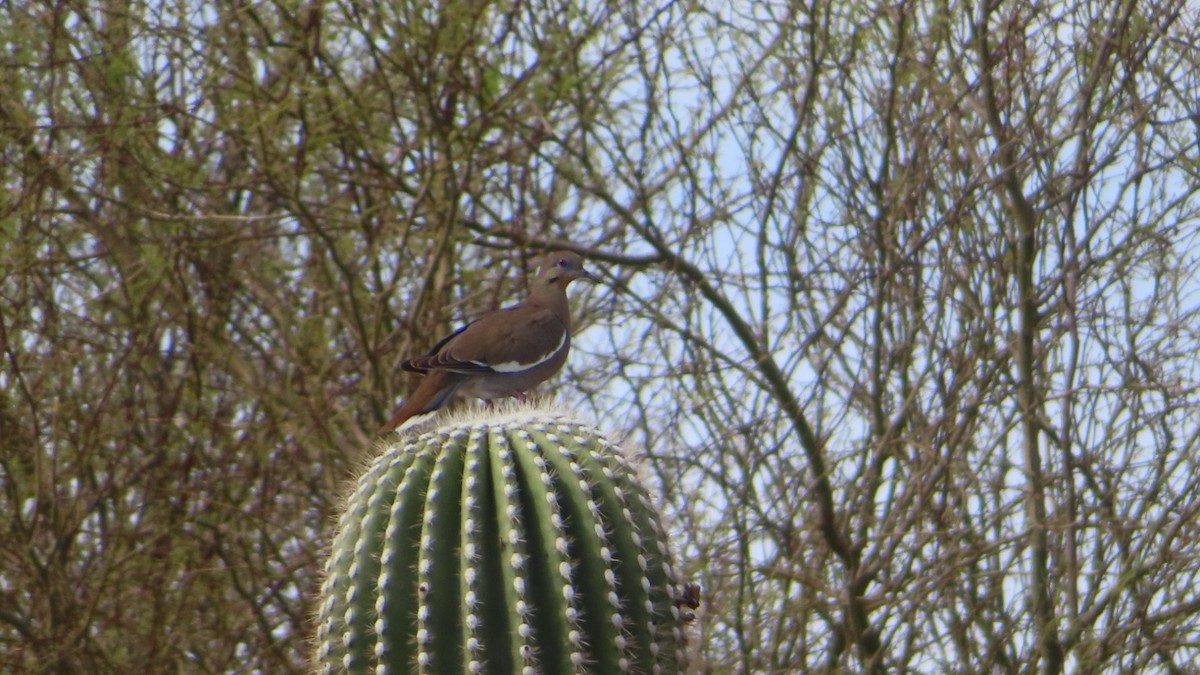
(515, 544)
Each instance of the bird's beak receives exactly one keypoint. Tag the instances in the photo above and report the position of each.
(588, 276)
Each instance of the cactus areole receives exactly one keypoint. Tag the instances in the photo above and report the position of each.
(517, 542)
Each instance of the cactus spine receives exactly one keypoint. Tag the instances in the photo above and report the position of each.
(512, 543)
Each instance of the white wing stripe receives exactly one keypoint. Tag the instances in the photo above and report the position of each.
(517, 366)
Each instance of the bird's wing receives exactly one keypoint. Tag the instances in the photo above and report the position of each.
(508, 341)
(414, 365)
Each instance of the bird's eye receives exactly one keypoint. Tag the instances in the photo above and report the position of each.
(562, 262)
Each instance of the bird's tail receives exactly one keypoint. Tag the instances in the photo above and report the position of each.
(435, 391)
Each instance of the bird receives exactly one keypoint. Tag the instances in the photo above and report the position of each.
(501, 354)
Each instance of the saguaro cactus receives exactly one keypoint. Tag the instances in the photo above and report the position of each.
(511, 542)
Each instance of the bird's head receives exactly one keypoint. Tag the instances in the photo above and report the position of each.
(565, 267)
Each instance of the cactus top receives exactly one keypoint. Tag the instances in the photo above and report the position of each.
(510, 541)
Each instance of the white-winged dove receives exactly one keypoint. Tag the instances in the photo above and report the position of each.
(503, 353)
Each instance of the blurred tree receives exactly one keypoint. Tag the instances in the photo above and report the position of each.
(904, 309)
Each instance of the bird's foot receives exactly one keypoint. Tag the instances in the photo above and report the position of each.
(519, 395)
